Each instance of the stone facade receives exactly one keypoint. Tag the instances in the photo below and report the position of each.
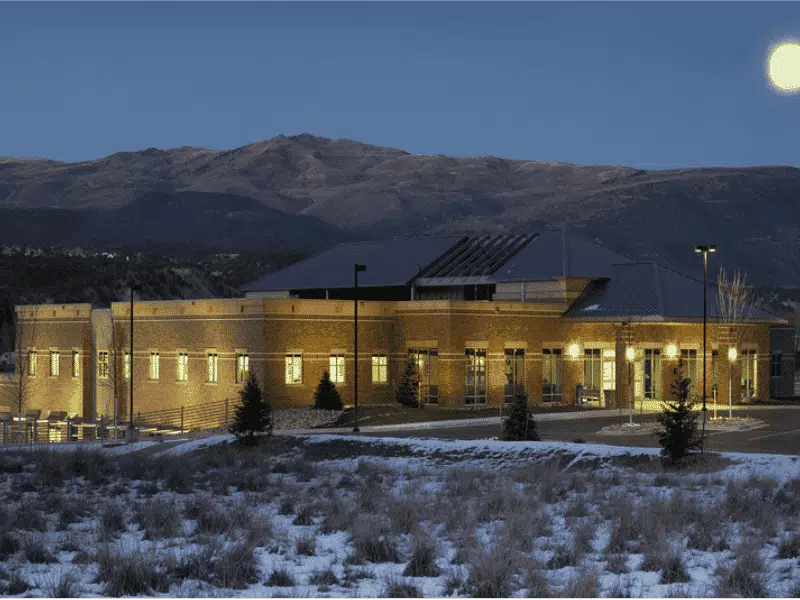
(266, 330)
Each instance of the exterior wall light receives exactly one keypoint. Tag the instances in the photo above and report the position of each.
(574, 350)
(732, 353)
(672, 351)
(630, 353)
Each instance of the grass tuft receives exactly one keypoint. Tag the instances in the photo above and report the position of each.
(280, 578)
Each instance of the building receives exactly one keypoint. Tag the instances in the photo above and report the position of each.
(565, 318)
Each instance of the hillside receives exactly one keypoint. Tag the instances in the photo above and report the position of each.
(316, 191)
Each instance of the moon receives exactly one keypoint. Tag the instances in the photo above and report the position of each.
(783, 66)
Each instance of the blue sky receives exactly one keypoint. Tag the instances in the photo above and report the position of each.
(652, 85)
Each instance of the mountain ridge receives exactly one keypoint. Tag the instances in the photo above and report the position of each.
(367, 191)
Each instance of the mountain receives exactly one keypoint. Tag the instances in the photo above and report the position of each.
(164, 220)
(320, 191)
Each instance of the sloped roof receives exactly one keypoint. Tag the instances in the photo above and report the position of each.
(557, 254)
(650, 292)
(388, 262)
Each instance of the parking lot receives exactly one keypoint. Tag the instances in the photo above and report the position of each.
(782, 435)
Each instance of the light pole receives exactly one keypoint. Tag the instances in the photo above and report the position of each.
(356, 270)
(704, 249)
(630, 354)
(732, 359)
(131, 434)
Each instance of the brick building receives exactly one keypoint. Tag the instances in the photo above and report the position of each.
(479, 315)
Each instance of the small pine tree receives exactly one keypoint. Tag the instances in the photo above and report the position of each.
(407, 392)
(327, 396)
(678, 435)
(253, 413)
(520, 424)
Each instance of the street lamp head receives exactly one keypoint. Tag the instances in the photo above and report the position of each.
(361, 268)
(712, 248)
(630, 353)
(705, 248)
(732, 353)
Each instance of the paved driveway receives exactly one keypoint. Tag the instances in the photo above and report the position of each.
(782, 436)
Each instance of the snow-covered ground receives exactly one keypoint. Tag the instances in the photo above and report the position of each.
(332, 516)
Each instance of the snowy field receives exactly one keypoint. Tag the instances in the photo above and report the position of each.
(332, 516)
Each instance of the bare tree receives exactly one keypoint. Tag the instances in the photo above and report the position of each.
(111, 371)
(22, 382)
(737, 303)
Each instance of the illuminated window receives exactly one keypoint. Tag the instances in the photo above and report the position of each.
(154, 365)
(55, 363)
(552, 374)
(33, 360)
(689, 358)
(242, 367)
(183, 366)
(592, 372)
(102, 365)
(294, 369)
(126, 365)
(213, 367)
(76, 363)
(336, 371)
(515, 373)
(714, 372)
(749, 370)
(652, 373)
(475, 380)
(426, 361)
(379, 368)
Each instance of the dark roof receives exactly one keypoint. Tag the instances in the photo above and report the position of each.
(445, 261)
(650, 292)
(559, 254)
(389, 263)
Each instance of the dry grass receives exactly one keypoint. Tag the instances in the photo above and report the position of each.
(423, 559)
(160, 518)
(745, 578)
(492, 573)
(585, 584)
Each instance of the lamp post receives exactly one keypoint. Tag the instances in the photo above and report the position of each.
(356, 270)
(630, 354)
(732, 359)
(131, 430)
(704, 249)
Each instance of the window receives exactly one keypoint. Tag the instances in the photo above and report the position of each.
(652, 373)
(242, 367)
(33, 360)
(749, 370)
(609, 370)
(126, 365)
(592, 373)
(714, 372)
(336, 365)
(102, 365)
(689, 358)
(213, 367)
(552, 374)
(475, 380)
(294, 369)
(515, 373)
(183, 366)
(776, 365)
(55, 363)
(379, 368)
(76, 363)
(426, 361)
(154, 363)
